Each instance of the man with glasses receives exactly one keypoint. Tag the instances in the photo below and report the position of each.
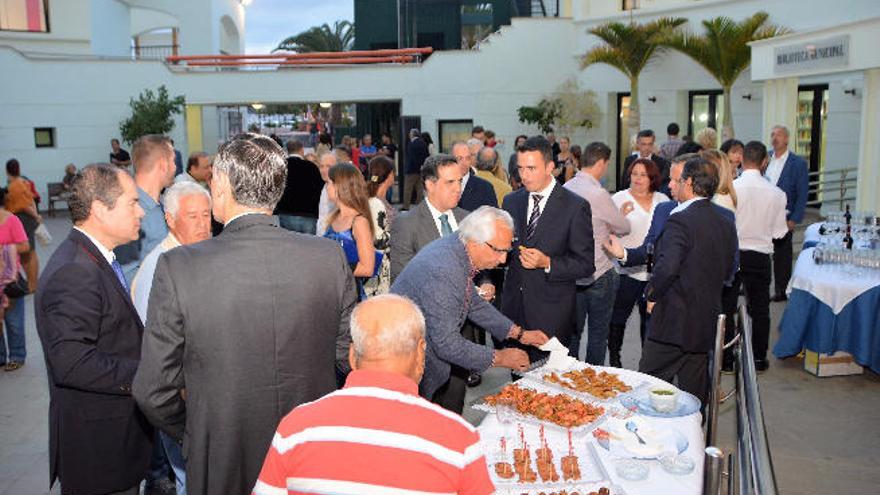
(483, 241)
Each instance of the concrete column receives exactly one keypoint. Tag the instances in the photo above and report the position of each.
(780, 105)
(868, 190)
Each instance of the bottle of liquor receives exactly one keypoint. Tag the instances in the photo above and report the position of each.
(848, 216)
(847, 239)
(649, 259)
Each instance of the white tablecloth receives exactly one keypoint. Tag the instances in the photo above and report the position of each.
(834, 284)
(658, 480)
(811, 233)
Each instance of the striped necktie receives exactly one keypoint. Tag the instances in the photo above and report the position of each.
(533, 218)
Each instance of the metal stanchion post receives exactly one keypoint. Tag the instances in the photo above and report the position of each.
(715, 382)
(713, 471)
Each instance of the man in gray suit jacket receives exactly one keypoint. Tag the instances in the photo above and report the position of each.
(483, 241)
(248, 331)
(415, 229)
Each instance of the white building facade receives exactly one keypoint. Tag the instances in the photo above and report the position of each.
(77, 79)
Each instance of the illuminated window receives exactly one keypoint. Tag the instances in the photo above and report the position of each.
(24, 15)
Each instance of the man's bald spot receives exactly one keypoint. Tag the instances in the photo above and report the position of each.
(386, 326)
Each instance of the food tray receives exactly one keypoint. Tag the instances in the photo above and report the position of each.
(584, 489)
(537, 376)
(527, 419)
(593, 473)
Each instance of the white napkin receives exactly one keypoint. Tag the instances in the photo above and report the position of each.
(559, 358)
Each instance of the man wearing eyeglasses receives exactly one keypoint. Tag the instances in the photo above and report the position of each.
(440, 281)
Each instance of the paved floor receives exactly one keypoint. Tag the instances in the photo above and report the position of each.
(823, 432)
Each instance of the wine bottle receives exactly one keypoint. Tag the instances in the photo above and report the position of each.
(649, 259)
(848, 216)
(847, 239)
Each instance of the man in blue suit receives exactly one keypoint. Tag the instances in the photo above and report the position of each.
(475, 191)
(790, 173)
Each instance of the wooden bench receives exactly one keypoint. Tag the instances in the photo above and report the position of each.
(56, 190)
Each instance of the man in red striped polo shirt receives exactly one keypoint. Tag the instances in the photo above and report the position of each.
(376, 435)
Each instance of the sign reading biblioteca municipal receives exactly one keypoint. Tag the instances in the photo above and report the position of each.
(822, 54)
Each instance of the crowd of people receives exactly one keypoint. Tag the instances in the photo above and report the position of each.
(216, 323)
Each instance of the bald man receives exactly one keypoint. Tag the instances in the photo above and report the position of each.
(396, 434)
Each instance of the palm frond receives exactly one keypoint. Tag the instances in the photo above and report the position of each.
(322, 38)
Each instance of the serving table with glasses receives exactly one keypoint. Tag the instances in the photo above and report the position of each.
(834, 293)
(608, 450)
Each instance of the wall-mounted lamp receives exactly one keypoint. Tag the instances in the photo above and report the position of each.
(747, 96)
(652, 98)
(848, 87)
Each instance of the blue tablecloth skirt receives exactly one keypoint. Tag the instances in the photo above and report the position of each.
(809, 323)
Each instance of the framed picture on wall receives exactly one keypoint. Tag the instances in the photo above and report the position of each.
(451, 131)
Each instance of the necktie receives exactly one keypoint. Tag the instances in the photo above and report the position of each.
(533, 218)
(445, 228)
(117, 269)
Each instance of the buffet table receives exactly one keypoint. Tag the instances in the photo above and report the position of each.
(590, 450)
(832, 308)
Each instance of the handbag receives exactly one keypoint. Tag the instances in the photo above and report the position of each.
(43, 236)
(18, 288)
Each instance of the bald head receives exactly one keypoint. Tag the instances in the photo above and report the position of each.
(388, 334)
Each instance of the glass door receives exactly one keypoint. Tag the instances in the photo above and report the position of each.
(809, 136)
(706, 109)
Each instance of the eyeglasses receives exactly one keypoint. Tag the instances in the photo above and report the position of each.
(500, 251)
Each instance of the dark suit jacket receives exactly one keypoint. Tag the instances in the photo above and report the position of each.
(438, 280)
(250, 323)
(658, 160)
(795, 181)
(302, 191)
(99, 442)
(411, 231)
(695, 255)
(532, 298)
(639, 255)
(416, 153)
(477, 192)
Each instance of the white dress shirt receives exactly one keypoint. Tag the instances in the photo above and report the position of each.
(760, 212)
(774, 168)
(108, 254)
(545, 195)
(435, 214)
(639, 224)
(464, 181)
(683, 206)
(325, 208)
(142, 283)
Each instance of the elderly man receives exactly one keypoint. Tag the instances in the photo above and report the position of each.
(198, 169)
(790, 173)
(487, 161)
(325, 206)
(475, 192)
(99, 442)
(265, 338)
(695, 256)
(153, 171)
(188, 214)
(482, 242)
(390, 445)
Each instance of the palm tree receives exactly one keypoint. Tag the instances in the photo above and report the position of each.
(724, 52)
(629, 48)
(339, 38)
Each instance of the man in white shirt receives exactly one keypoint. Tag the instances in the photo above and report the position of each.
(760, 218)
(325, 206)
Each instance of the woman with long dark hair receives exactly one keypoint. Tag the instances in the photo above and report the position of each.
(379, 182)
(349, 223)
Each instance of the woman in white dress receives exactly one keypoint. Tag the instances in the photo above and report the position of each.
(640, 200)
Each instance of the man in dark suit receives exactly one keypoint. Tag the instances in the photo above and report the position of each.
(790, 173)
(416, 154)
(645, 140)
(475, 191)
(297, 209)
(261, 341)
(436, 216)
(695, 255)
(91, 335)
(554, 247)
